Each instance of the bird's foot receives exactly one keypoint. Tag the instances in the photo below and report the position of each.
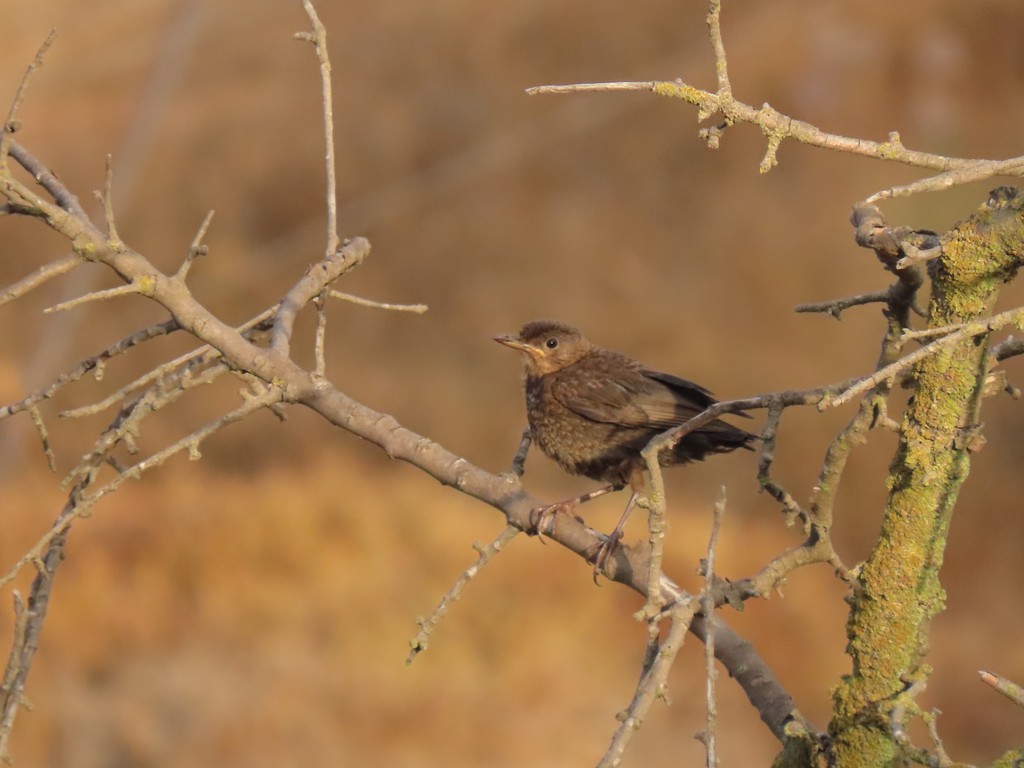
(604, 551)
(542, 519)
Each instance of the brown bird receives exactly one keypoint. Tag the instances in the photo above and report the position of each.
(593, 411)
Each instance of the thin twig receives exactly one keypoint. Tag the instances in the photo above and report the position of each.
(417, 308)
(707, 608)
(653, 684)
(195, 249)
(427, 625)
(44, 437)
(10, 125)
(254, 324)
(932, 721)
(10, 691)
(126, 426)
(976, 171)
(791, 508)
(351, 254)
(655, 504)
(1008, 688)
(65, 201)
(1009, 348)
(915, 255)
(94, 363)
(772, 121)
(190, 443)
(929, 333)
(319, 40)
(890, 372)
(108, 293)
(905, 706)
(46, 272)
(835, 307)
(715, 33)
(777, 127)
(26, 643)
(319, 338)
(107, 198)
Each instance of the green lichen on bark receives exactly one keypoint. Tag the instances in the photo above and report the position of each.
(899, 591)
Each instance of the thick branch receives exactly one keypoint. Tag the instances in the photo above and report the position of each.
(899, 590)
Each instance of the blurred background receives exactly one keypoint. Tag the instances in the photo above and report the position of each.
(254, 609)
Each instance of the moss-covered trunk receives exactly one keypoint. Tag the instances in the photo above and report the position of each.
(899, 590)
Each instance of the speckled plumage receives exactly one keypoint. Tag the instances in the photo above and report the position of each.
(593, 410)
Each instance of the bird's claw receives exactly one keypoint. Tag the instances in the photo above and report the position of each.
(542, 519)
(604, 551)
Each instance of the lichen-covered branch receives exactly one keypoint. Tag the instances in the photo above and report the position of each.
(898, 590)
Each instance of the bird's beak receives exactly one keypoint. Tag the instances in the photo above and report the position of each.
(512, 341)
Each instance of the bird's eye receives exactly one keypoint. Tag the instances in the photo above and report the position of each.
(551, 343)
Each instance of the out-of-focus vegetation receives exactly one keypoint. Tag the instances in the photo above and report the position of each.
(253, 609)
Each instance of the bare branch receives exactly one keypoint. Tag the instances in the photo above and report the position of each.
(94, 363)
(931, 719)
(929, 333)
(790, 506)
(715, 33)
(26, 202)
(319, 276)
(257, 324)
(195, 249)
(38, 277)
(107, 199)
(190, 443)
(47, 556)
(772, 122)
(890, 372)
(10, 124)
(1007, 349)
(835, 307)
(319, 338)
(420, 643)
(905, 706)
(319, 40)
(916, 255)
(707, 603)
(126, 425)
(1008, 688)
(653, 683)
(976, 171)
(655, 504)
(44, 437)
(109, 293)
(419, 309)
(12, 685)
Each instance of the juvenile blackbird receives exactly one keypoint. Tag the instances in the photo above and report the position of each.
(593, 410)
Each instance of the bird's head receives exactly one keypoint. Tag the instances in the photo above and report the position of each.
(547, 346)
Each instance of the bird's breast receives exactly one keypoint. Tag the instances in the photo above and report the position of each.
(579, 445)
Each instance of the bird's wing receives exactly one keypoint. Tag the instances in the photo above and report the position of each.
(634, 397)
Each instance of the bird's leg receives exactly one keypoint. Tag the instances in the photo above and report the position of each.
(609, 544)
(542, 518)
(519, 460)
